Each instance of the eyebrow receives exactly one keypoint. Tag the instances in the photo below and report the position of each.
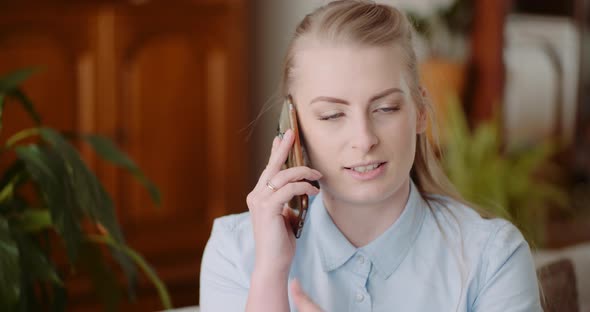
(341, 101)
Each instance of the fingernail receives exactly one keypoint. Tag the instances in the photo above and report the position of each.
(288, 133)
(317, 173)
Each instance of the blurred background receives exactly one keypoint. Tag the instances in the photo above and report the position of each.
(189, 89)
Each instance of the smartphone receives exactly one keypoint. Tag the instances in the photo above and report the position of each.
(297, 157)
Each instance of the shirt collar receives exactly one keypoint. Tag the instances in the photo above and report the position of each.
(334, 248)
(386, 252)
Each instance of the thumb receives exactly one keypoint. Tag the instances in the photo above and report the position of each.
(302, 301)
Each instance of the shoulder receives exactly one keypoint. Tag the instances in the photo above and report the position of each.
(231, 243)
(464, 221)
(498, 256)
(233, 231)
(225, 266)
(487, 242)
(493, 246)
(232, 223)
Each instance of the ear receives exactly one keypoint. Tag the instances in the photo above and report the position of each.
(422, 112)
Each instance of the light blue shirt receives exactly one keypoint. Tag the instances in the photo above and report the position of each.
(438, 256)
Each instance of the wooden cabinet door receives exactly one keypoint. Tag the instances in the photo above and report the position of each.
(166, 80)
(178, 107)
(61, 40)
(63, 48)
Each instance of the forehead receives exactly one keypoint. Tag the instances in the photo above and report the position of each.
(342, 69)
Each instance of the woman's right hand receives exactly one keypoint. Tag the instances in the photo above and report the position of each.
(271, 217)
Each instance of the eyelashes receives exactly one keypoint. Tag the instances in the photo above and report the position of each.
(388, 109)
(384, 110)
(331, 117)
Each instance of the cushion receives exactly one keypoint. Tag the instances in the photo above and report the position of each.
(558, 286)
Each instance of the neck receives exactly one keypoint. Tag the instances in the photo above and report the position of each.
(362, 224)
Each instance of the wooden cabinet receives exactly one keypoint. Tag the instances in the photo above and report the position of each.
(167, 81)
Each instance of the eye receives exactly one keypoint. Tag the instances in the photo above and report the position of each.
(331, 117)
(388, 109)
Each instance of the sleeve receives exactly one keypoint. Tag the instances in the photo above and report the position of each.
(221, 288)
(508, 272)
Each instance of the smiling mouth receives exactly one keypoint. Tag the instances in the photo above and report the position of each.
(367, 168)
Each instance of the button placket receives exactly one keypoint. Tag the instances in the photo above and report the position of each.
(359, 297)
(362, 266)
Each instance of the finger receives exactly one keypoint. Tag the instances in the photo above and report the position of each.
(294, 174)
(264, 175)
(278, 158)
(302, 301)
(275, 143)
(285, 193)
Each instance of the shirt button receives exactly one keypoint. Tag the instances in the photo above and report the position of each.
(360, 297)
(361, 259)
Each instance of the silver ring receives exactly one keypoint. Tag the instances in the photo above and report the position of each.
(271, 186)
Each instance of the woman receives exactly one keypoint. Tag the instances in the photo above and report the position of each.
(386, 232)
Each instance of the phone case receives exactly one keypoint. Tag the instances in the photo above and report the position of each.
(288, 120)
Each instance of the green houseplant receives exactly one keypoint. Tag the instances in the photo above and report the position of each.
(51, 201)
(517, 184)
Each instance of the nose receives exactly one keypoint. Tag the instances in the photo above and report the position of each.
(364, 137)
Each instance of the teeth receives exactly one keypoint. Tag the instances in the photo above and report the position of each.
(365, 168)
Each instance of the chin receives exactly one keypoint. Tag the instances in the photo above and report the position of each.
(364, 194)
(344, 188)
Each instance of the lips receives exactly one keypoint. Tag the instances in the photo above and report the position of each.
(366, 166)
(366, 171)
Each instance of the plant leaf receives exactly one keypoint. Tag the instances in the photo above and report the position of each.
(13, 177)
(457, 121)
(27, 104)
(2, 101)
(34, 261)
(15, 78)
(58, 300)
(35, 220)
(7, 192)
(421, 24)
(17, 167)
(16, 204)
(9, 87)
(138, 259)
(531, 159)
(50, 173)
(89, 195)
(106, 149)
(10, 286)
(103, 279)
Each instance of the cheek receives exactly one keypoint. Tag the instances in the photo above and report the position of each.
(313, 141)
(398, 138)
(320, 147)
(323, 147)
(402, 127)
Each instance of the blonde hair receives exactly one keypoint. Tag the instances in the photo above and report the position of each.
(366, 23)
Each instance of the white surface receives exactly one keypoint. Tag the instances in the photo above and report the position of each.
(543, 33)
(531, 94)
